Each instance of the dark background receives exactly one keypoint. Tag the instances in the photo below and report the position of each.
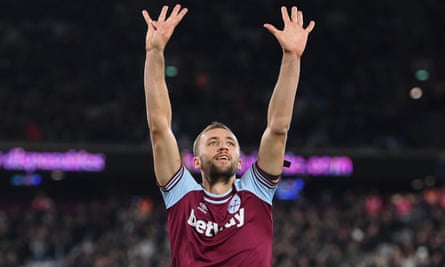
(71, 76)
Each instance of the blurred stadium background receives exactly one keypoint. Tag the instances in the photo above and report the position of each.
(367, 144)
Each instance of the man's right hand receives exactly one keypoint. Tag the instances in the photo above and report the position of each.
(159, 31)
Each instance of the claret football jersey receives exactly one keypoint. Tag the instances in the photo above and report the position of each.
(232, 229)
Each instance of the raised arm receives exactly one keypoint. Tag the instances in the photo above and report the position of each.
(292, 40)
(166, 154)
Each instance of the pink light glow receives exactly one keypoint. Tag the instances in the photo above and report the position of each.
(19, 159)
(300, 165)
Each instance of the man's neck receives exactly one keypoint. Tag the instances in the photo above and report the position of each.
(218, 188)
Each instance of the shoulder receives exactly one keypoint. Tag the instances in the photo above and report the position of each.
(258, 183)
(178, 186)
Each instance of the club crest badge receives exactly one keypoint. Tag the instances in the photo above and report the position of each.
(234, 204)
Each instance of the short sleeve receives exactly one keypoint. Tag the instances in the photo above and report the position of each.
(259, 183)
(178, 186)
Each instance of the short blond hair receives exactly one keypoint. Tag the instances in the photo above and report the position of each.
(211, 126)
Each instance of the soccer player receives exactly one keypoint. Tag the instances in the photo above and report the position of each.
(225, 221)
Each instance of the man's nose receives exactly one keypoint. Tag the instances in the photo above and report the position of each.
(223, 146)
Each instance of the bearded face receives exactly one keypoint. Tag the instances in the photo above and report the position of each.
(220, 172)
(219, 156)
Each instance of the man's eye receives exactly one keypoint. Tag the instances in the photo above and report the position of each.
(231, 143)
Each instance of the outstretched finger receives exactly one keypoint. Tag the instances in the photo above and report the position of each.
(175, 10)
(147, 17)
(271, 28)
(178, 13)
(163, 13)
(285, 15)
(294, 14)
(182, 13)
(300, 17)
(311, 26)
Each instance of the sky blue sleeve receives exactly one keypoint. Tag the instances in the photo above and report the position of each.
(178, 186)
(259, 183)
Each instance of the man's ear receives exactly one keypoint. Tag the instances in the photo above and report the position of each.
(239, 165)
(196, 162)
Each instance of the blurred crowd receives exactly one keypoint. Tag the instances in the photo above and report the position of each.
(351, 228)
(73, 72)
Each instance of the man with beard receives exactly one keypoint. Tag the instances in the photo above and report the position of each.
(225, 221)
